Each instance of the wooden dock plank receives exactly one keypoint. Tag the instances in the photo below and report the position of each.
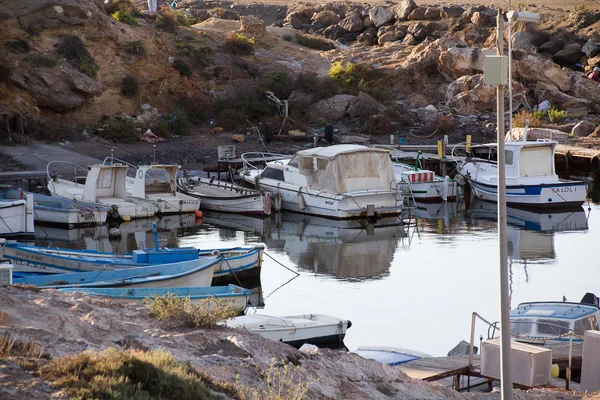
(436, 368)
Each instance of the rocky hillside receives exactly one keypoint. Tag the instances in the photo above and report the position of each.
(403, 68)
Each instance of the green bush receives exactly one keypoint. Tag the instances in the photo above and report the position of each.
(239, 44)
(182, 67)
(320, 88)
(356, 78)
(279, 83)
(125, 17)
(124, 6)
(179, 123)
(167, 19)
(75, 52)
(199, 56)
(131, 374)
(314, 42)
(129, 86)
(120, 130)
(184, 20)
(135, 47)
(244, 102)
(287, 38)
(556, 116)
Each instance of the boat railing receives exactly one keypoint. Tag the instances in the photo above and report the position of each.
(259, 158)
(52, 175)
(132, 170)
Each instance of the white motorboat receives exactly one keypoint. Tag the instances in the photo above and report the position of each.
(16, 217)
(424, 185)
(222, 196)
(104, 185)
(57, 211)
(341, 181)
(531, 179)
(157, 183)
(295, 330)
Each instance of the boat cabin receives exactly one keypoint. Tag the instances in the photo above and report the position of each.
(154, 179)
(549, 319)
(105, 181)
(523, 158)
(335, 169)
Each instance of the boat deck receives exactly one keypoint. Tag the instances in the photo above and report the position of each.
(220, 191)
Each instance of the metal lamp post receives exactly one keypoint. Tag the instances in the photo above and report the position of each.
(495, 74)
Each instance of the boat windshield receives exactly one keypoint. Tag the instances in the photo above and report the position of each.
(521, 326)
(293, 162)
(586, 324)
(552, 327)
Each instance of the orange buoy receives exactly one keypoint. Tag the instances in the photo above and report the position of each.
(198, 214)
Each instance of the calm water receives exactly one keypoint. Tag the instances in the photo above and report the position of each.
(404, 286)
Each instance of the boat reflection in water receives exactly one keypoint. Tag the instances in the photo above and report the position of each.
(344, 249)
(127, 236)
(530, 234)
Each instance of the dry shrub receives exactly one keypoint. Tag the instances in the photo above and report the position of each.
(10, 347)
(181, 311)
(22, 286)
(167, 19)
(129, 86)
(281, 382)
(135, 47)
(444, 124)
(130, 374)
(379, 125)
(535, 119)
(3, 317)
(320, 88)
(314, 42)
(76, 53)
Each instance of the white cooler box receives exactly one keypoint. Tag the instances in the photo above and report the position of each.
(531, 365)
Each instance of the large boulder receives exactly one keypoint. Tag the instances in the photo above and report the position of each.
(568, 56)
(299, 17)
(451, 11)
(365, 106)
(533, 69)
(455, 62)
(418, 30)
(334, 32)
(326, 17)
(537, 133)
(59, 89)
(552, 46)
(523, 40)
(333, 108)
(432, 13)
(368, 37)
(410, 40)
(380, 15)
(574, 106)
(40, 15)
(417, 14)
(405, 8)
(469, 95)
(585, 88)
(583, 128)
(253, 26)
(591, 48)
(391, 36)
(353, 22)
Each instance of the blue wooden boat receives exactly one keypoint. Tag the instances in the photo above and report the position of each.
(197, 272)
(231, 292)
(59, 211)
(243, 261)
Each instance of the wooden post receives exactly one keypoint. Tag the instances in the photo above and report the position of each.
(567, 154)
(473, 316)
(568, 382)
(468, 146)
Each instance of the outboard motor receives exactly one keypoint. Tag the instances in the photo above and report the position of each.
(591, 299)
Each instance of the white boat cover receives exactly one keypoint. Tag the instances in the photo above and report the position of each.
(346, 168)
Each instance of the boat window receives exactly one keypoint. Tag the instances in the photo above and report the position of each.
(552, 327)
(272, 173)
(293, 162)
(586, 324)
(521, 326)
(536, 161)
(106, 181)
(508, 156)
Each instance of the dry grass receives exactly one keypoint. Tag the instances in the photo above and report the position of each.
(10, 347)
(32, 288)
(131, 374)
(178, 311)
(3, 317)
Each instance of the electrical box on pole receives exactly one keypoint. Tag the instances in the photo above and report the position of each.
(495, 70)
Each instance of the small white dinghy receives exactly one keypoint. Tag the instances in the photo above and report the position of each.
(217, 195)
(296, 330)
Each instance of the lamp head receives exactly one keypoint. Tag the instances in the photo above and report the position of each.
(514, 16)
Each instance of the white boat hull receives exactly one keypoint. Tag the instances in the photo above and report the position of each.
(428, 191)
(201, 278)
(16, 218)
(72, 218)
(345, 206)
(294, 330)
(562, 194)
(178, 204)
